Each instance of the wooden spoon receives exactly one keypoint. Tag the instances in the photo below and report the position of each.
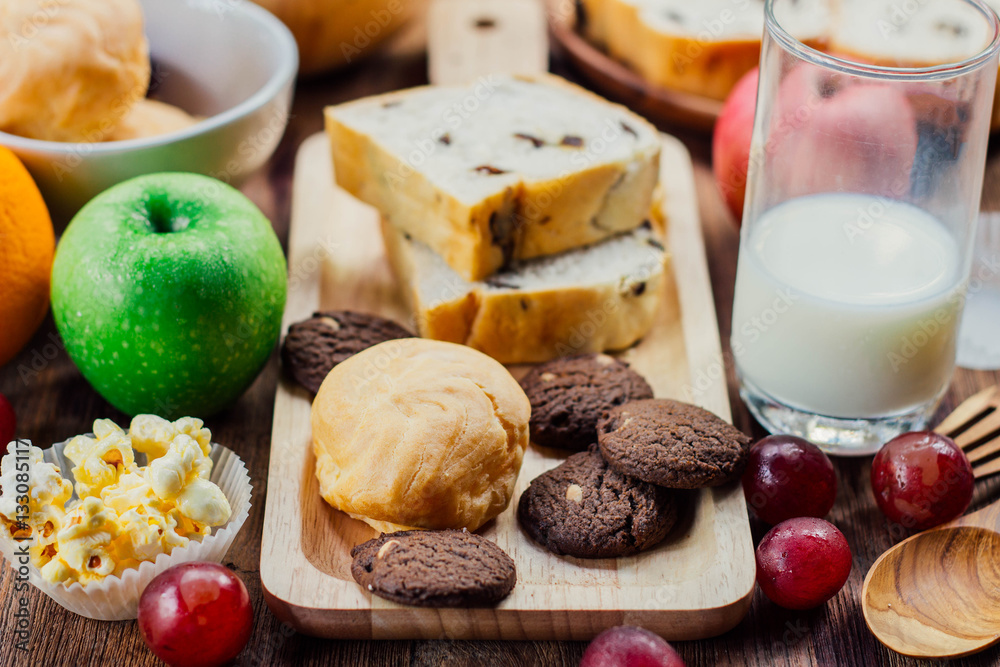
(937, 594)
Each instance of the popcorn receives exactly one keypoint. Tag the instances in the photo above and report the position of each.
(152, 435)
(100, 459)
(131, 491)
(84, 549)
(47, 496)
(126, 514)
(181, 476)
(145, 535)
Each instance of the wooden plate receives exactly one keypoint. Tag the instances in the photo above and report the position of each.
(698, 583)
(618, 82)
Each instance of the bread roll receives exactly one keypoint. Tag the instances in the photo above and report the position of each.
(414, 433)
(150, 118)
(70, 70)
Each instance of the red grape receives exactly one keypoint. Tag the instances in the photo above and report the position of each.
(922, 480)
(8, 424)
(629, 646)
(195, 615)
(788, 477)
(803, 562)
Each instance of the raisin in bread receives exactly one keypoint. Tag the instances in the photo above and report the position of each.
(507, 169)
(701, 47)
(601, 297)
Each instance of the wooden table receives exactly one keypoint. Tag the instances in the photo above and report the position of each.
(54, 402)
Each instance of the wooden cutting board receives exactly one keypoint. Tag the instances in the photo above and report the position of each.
(698, 583)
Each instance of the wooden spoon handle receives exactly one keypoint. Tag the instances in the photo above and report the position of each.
(988, 518)
(987, 469)
(985, 450)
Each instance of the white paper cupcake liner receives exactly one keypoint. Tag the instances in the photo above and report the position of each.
(117, 598)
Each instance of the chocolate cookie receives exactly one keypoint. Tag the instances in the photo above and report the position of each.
(583, 508)
(672, 444)
(441, 568)
(568, 396)
(313, 347)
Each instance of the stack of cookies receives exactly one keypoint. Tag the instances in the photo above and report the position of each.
(517, 212)
(617, 495)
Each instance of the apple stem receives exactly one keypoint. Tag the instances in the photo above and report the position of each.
(160, 215)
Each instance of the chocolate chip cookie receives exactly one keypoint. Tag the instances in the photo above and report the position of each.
(569, 395)
(585, 509)
(672, 444)
(313, 347)
(440, 568)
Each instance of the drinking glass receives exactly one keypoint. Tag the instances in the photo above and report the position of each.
(862, 200)
(979, 335)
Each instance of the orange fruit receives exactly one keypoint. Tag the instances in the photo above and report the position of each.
(27, 245)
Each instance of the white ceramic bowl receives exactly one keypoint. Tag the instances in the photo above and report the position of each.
(227, 60)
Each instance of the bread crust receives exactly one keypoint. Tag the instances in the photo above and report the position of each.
(532, 326)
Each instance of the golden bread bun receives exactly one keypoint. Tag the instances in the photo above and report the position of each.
(331, 33)
(70, 70)
(416, 433)
(150, 118)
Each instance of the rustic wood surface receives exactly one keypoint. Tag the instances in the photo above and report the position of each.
(53, 401)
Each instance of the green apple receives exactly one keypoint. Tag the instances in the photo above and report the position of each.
(168, 291)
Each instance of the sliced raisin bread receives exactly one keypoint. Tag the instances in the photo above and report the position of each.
(895, 34)
(507, 169)
(601, 297)
(701, 47)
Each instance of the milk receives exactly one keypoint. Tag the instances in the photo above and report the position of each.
(847, 305)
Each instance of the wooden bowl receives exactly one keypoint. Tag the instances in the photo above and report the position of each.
(622, 84)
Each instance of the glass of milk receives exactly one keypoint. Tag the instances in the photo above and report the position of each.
(866, 171)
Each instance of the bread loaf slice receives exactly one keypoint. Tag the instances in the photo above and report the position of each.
(601, 297)
(507, 169)
(891, 33)
(701, 47)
